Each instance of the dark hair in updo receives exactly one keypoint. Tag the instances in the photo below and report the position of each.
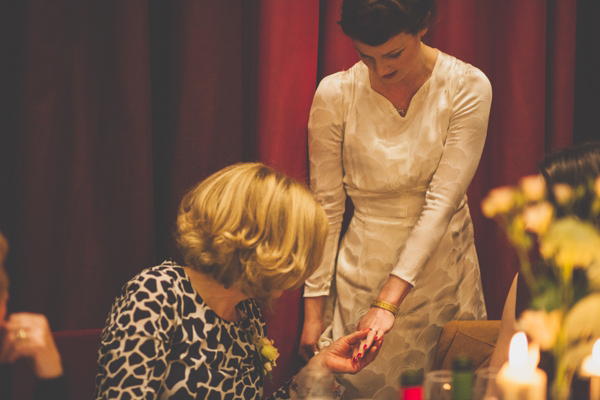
(374, 22)
(575, 166)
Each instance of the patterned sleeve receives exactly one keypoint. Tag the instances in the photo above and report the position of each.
(299, 387)
(132, 356)
(325, 140)
(282, 393)
(462, 150)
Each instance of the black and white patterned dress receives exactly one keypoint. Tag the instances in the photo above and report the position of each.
(162, 341)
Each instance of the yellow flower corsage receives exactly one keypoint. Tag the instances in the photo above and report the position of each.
(266, 352)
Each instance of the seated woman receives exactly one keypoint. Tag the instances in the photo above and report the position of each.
(247, 233)
(28, 336)
(572, 166)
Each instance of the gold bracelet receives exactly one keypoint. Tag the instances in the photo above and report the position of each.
(385, 306)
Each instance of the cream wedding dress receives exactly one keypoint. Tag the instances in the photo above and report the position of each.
(407, 178)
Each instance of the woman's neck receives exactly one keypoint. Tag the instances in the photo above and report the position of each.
(221, 300)
(401, 93)
(421, 71)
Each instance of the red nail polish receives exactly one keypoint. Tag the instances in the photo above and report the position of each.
(359, 355)
(375, 337)
(365, 346)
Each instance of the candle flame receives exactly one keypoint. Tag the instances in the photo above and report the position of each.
(591, 364)
(517, 352)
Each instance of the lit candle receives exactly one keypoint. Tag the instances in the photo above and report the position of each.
(519, 378)
(591, 368)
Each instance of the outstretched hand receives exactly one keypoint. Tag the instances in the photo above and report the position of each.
(338, 357)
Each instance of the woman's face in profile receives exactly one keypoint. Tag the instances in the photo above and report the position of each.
(392, 60)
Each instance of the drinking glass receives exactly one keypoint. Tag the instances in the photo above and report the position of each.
(438, 385)
(485, 387)
(315, 382)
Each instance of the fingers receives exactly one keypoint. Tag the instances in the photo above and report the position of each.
(342, 355)
(15, 344)
(356, 336)
(368, 341)
(354, 339)
(370, 354)
(361, 342)
(32, 323)
(28, 335)
(367, 356)
(356, 354)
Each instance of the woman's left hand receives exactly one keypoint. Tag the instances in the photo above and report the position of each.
(379, 322)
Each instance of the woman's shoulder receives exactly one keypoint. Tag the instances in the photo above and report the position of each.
(149, 303)
(166, 277)
(336, 91)
(461, 71)
(344, 79)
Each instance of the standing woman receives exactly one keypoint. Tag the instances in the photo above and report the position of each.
(401, 133)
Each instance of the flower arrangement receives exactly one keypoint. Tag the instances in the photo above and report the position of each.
(266, 352)
(558, 227)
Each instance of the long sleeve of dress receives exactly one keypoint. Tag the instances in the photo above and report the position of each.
(326, 124)
(132, 357)
(462, 150)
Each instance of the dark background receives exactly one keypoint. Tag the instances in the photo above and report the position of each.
(110, 110)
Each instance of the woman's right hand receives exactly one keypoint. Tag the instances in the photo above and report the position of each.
(28, 336)
(311, 331)
(314, 325)
(338, 357)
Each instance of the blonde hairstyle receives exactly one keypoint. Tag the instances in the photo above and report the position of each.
(252, 228)
(3, 276)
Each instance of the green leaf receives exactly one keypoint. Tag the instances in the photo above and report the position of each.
(548, 296)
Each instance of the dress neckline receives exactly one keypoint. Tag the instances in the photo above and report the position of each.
(417, 94)
(241, 307)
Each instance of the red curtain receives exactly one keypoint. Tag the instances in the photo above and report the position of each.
(286, 79)
(77, 190)
(110, 110)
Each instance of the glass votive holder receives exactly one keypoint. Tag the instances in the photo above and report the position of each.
(485, 387)
(438, 385)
